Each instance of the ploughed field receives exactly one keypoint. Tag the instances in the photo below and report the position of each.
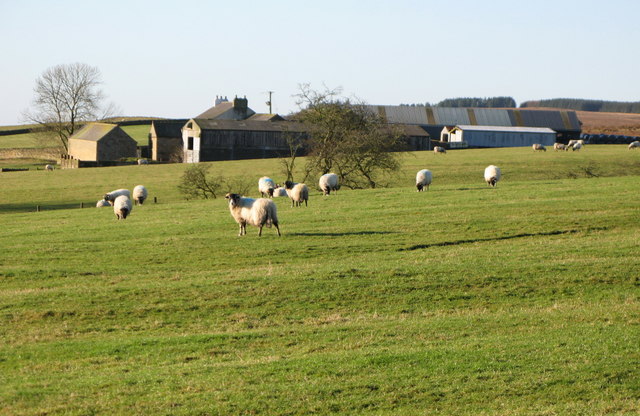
(523, 299)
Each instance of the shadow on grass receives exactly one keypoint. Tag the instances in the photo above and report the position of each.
(343, 234)
(505, 237)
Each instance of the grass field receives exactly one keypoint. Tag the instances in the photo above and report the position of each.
(463, 300)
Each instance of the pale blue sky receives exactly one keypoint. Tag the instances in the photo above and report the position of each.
(170, 59)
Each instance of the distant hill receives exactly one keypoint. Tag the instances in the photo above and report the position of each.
(579, 104)
(625, 124)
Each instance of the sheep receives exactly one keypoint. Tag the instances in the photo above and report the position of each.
(581, 141)
(257, 212)
(266, 186)
(576, 146)
(492, 175)
(279, 191)
(102, 203)
(439, 149)
(111, 196)
(143, 162)
(634, 144)
(122, 207)
(423, 179)
(298, 192)
(48, 167)
(329, 182)
(571, 143)
(559, 146)
(538, 147)
(139, 194)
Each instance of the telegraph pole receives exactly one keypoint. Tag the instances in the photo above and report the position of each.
(269, 102)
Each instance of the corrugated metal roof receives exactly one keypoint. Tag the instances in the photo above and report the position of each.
(93, 131)
(492, 117)
(507, 129)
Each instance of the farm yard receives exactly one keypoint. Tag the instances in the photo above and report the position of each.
(523, 299)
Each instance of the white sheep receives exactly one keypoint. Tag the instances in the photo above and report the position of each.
(266, 186)
(571, 143)
(111, 196)
(439, 149)
(279, 191)
(139, 194)
(257, 212)
(539, 147)
(298, 192)
(143, 162)
(492, 175)
(328, 182)
(633, 145)
(48, 167)
(576, 146)
(103, 203)
(423, 179)
(122, 207)
(559, 146)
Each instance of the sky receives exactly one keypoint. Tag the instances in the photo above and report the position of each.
(171, 59)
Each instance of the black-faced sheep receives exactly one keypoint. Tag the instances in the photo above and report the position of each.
(439, 149)
(139, 194)
(257, 212)
(492, 175)
(423, 179)
(298, 192)
(111, 196)
(328, 182)
(538, 147)
(266, 186)
(122, 207)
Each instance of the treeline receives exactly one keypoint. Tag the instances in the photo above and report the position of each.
(586, 105)
(489, 102)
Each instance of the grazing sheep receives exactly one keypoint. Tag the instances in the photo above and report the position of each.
(571, 143)
(634, 144)
(279, 191)
(139, 194)
(143, 162)
(439, 149)
(538, 147)
(48, 167)
(581, 141)
(257, 212)
(492, 175)
(559, 146)
(298, 192)
(423, 179)
(329, 182)
(122, 207)
(576, 146)
(266, 186)
(102, 203)
(111, 196)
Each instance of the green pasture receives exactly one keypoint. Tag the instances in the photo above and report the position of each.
(462, 300)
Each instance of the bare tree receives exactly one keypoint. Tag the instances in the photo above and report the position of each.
(347, 138)
(65, 97)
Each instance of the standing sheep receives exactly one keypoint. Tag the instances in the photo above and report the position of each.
(634, 145)
(298, 192)
(439, 149)
(266, 186)
(143, 162)
(48, 167)
(539, 147)
(139, 194)
(122, 207)
(559, 146)
(111, 196)
(576, 146)
(423, 179)
(571, 143)
(492, 175)
(328, 182)
(257, 212)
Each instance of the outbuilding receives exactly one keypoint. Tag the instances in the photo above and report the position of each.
(500, 136)
(99, 142)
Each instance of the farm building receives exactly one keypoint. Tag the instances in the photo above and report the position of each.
(166, 139)
(499, 136)
(238, 109)
(434, 119)
(101, 142)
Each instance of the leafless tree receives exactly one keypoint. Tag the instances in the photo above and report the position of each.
(67, 96)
